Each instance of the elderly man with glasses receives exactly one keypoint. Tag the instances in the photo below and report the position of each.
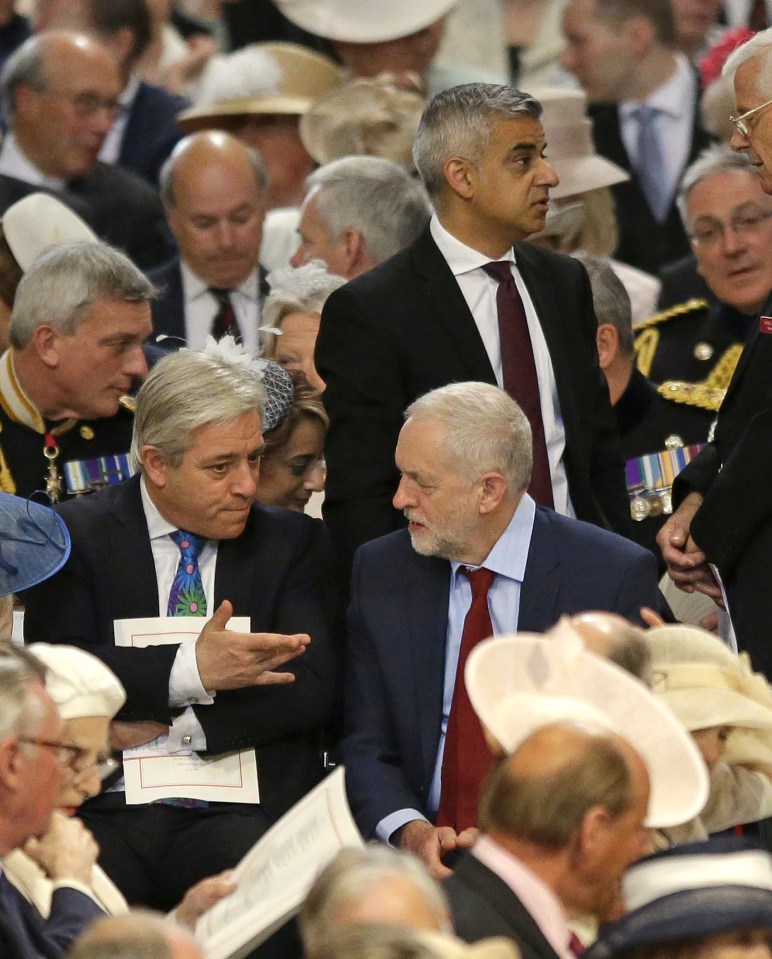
(719, 540)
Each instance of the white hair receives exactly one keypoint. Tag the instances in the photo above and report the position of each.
(250, 72)
(760, 44)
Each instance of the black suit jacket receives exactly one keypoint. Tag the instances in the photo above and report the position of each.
(483, 905)
(403, 329)
(397, 632)
(276, 572)
(151, 131)
(642, 241)
(168, 311)
(734, 524)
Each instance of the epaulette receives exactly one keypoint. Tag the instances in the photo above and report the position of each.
(128, 403)
(709, 394)
(680, 309)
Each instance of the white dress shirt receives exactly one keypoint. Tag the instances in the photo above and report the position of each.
(16, 164)
(111, 148)
(479, 291)
(201, 308)
(676, 100)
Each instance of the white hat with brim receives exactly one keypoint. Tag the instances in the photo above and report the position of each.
(40, 221)
(560, 667)
(570, 147)
(365, 21)
(79, 683)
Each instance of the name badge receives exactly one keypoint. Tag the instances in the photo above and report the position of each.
(765, 324)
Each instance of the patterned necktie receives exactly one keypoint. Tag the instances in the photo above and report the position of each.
(225, 319)
(467, 758)
(187, 593)
(650, 163)
(519, 369)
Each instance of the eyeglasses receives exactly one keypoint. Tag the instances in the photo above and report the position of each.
(739, 122)
(73, 758)
(87, 104)
(742, 224)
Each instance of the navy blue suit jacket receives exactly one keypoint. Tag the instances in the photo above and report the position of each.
(71, 912)
(397, 636)
(151, 131)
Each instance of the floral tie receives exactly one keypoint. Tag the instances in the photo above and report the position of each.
(187, 593)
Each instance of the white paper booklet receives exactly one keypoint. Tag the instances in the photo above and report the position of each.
(152, 772)
(276, 874)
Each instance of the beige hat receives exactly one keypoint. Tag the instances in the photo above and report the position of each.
(451, 947)
(570, 147)
(509, 678)
(706, 685)
(367, 117)
(364, 21)
(278, 78)
(79, 683)
(39, 221)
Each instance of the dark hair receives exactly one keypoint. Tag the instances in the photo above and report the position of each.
(110, 16)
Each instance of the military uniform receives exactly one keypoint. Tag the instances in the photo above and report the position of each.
(691, 342)
(661, 428)
(63, 458)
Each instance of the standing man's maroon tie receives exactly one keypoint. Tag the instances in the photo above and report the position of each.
(519, 368)
(224, 321)
(467, 758)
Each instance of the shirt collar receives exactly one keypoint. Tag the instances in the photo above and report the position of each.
(510, 551)
(194, 287)
(14, 162)
(157, 526)
(460, 257)
(128, 94)
(674, 97)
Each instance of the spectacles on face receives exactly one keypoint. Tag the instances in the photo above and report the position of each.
(739, 122)
(742, 224)
(87, 105)
(74, 758)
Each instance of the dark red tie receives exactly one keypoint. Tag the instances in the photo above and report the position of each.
(519, 369)
(225, 318)
(467, 758)
(576, 946)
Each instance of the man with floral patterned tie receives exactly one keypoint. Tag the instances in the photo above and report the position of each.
(185, 536)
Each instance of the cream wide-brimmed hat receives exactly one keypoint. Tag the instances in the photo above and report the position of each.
(522, 682)
(570, 147)
(262, 78)
(79, 683)
(364, 117)
(364, 21)
(39, 221)
(707, 685)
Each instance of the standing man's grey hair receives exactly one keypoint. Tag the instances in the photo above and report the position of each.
(65, 282)
(761, 43)
(485, 430)
(24, 67)
(458, 122)
(717, 158)
(303, 289)
(611, 300)
(185, 391)
(166, 174)
(374, 196)
(351, 876)
(19, 712)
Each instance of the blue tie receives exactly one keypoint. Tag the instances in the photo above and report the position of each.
(650, 164)
(186, 597)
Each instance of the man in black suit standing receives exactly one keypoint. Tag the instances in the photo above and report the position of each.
(644, 97)
(214, 192)
(59, 94)
(186, 536)
(460, 303)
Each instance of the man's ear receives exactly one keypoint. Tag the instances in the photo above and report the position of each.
(46, 341)
(640, 35)
(154, 466)
(607, 340)
(592, 834)
(460, 175)
(493, 490)
(9, 763)
(354, 251)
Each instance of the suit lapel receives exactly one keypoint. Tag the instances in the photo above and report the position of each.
(134, 585)
(238, 560)
(446, 303)
(541, 583)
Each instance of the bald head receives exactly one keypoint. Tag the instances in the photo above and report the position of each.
(138, 935)
(213, 190)
(60, 91)
(613, 638)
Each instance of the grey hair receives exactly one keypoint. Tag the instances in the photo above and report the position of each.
(66, 281)
(304, 289)
(373, 195)
(370, 940)
(141, 934)
(185, 391)
(610, 299)
(717, 158)
(352, 875)
(19, 669)
(24, 67)
(760, 44)
(166, 186)
(459, 121)
(485, 430)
